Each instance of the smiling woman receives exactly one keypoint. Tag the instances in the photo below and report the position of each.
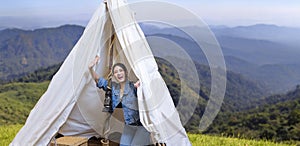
(123, 95)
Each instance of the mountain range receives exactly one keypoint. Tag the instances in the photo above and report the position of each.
(23, 51)
(264, 53)
(253, 74)
(267, 54)
(270, 58)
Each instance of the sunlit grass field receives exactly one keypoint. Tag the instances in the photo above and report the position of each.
(7, 134)
(206, 140)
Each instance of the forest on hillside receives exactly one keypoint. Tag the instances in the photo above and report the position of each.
(276, 118)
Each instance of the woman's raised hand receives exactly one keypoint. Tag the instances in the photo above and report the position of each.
(94, 62)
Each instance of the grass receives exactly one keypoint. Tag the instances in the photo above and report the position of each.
(7, 133)
(206, 140)
(17, 100)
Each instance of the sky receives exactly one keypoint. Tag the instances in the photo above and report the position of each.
(42, 13)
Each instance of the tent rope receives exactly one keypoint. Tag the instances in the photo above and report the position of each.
(107, 125)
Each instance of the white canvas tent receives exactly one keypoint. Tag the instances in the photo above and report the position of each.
(72, 104)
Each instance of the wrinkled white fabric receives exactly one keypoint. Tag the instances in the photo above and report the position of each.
(72, 103)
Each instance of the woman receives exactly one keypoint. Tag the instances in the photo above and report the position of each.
(124, 96)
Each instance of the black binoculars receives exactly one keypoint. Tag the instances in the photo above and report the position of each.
(108, 101)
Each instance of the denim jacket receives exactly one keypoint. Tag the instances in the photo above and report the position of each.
(128, 102)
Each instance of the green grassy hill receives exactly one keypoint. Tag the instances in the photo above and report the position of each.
(278, 122)
(7, 134)
(17, 100)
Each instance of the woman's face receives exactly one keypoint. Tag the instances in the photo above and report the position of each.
(119, 74)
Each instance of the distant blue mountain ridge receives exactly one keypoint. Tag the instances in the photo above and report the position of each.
(263, 53)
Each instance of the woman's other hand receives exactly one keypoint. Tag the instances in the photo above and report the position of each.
(137, 84)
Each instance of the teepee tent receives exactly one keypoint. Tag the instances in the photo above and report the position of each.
(72, 104)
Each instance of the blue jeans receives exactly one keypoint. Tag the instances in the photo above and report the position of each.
(135, 136)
